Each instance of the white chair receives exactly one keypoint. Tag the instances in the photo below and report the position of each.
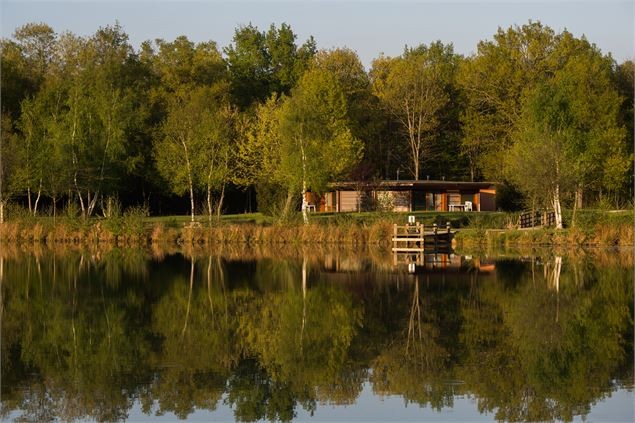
(468, 206)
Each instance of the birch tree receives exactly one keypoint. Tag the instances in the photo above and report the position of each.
(316, 142)
(194, 146)
(217, 154)
(176, 150)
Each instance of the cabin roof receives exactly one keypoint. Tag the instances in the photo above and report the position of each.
(412, 184)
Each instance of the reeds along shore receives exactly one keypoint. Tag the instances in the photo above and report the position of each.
(378, 232)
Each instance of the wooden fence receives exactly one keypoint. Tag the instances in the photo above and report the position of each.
(537, 218)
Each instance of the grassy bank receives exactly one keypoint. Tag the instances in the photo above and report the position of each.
(592, 228)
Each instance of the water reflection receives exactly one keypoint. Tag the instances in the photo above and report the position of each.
(89, 334)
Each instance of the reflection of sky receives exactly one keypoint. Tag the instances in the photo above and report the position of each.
(368, 27)
(369, 407)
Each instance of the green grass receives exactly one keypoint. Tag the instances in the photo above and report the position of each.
(181, 220)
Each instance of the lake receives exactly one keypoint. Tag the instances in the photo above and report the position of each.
(319, 334)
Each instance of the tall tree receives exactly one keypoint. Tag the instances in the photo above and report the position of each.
(193, 146)
(9, 163)
(317, 145)
(412, 89)
(542, 159)
(261, 64)
(496, 81)
(366, 117)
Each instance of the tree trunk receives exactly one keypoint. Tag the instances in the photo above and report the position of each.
(54, 198)
(37, 199)
(578, 197)
(1, 211)
(189, 178)
(305, 217)
(209, 205)
(28, 196)
(219, 207)
(192, 199)
(575, 207)
(287, 204)
(556, 207)
(79, 195)
(92, 203)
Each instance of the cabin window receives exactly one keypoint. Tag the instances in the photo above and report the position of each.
(419, 201)
(430, 201)
(454, 198)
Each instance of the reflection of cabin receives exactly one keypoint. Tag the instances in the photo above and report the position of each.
(406, 196)
(425, 261)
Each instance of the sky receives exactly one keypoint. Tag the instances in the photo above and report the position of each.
(370, 28)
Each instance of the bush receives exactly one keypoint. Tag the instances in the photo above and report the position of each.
(15, 212)
(271, 198)
(133, 220)
(385, 201)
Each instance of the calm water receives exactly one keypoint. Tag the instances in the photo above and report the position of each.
(282, 335)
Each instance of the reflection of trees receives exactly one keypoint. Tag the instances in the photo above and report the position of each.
(86, 334)
(302, 337)
(415, 364)
(196, 325)
(546, 350)
(78, 343)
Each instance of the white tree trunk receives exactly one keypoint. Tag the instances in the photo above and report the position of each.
(189, 178)
(192, 199)
(79, 195)
(556, 207)
(221, 198)
(305, 217)
(209, 204)
(28, 196)
(37, 199)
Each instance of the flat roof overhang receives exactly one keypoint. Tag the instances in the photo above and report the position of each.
(412, 185)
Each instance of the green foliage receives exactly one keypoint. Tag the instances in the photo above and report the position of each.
(88, 117)
(261, 64)
(271, 199)
(415, 90)
(317, 145)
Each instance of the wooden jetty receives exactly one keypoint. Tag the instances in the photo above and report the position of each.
(417, 237)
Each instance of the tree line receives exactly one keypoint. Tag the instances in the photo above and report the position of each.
(90, 120)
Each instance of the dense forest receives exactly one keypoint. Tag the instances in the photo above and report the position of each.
(91, 125)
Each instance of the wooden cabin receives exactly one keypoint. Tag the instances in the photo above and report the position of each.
(406, 196)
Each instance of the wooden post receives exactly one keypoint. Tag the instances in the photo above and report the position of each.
(434, 230)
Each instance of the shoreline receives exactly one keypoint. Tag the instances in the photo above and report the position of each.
(337, 231)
